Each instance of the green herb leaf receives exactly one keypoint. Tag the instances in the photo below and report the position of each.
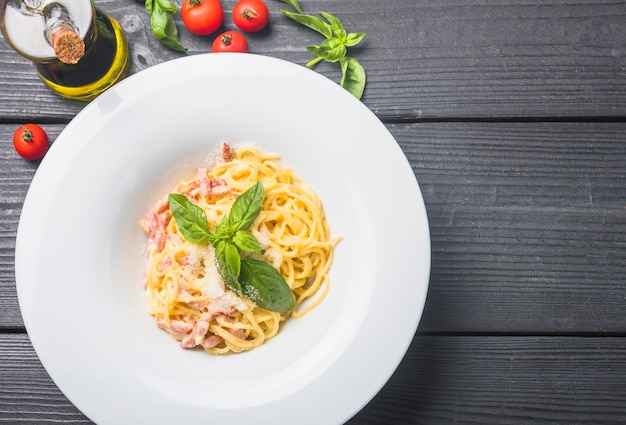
(225, 270)
(334, 47)
(257, 280)
(246, 208)
(310, 21)
(162, 23)
(331, 50)
(167, 6)
(245, 241)
(294, 4)
(335, 25)
(232, 258)
(354, 38)
(190, 218)
(353, 78)
(149, 5)
(265, 286)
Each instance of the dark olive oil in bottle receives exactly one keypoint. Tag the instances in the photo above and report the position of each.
(77, 50)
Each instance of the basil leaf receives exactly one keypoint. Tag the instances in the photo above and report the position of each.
(265, 286)
(246, 241)
(163, 25)
(310, 21)
(245, 209)
(233, 259)
(294, 4)
(353, 78)
(167, 6)
(354, 38)
(335, 25)
(221, 262)
(190, 218)
(331, 50)
(148, 5)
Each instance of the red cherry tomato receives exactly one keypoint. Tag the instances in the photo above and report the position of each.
(230, 41)
(30, 141)
(251, 15)
(202, 17)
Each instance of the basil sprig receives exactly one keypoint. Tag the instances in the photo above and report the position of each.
(335, 46)
(255, 279)
(162, 23)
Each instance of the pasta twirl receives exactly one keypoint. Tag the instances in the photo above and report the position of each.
(184, 290)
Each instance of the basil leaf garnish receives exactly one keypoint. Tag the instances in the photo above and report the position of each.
(245, 241)
(265, 286)
(190, 218)
(221, 262)
(245, 209)
(257, 280)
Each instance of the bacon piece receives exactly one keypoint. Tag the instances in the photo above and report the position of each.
(155, 223)
(227, 153)
(164, 264)
(177, 328)
(199, 331)
(205, 187)
(219, 187)
(212, 340)
(238, 333)
(197, 335)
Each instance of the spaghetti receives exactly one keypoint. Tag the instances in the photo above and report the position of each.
(184, 290)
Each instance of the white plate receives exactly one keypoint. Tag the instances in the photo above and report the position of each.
(79, 255)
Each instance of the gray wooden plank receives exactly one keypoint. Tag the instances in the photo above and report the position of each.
(16, 175)
(528, 224)
(27, 394)
(442, 380)
(425, 60)
(504, 380)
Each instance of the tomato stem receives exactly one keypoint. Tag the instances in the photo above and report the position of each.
(250, 14)
(27, 135)
(227, 39)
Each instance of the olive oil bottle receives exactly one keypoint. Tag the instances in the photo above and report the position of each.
(77, 50)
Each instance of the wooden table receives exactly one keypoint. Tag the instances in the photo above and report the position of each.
(513, 117)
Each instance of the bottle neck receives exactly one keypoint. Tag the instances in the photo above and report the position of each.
(62, 34)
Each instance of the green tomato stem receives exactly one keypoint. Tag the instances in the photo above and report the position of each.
(27, 135)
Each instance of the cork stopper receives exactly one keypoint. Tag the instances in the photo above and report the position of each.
(68, 46)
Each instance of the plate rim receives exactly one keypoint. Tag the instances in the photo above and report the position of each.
(181, 62)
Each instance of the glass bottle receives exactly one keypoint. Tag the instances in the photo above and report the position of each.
(78, 50)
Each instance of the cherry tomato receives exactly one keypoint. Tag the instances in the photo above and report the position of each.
(30, 141)
(202, 17)
(251, 15)
(230, 41)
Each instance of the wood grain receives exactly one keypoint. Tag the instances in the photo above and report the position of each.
(527, 221)
(442, 380)
(512, 115)
(528, 225)
(16, 175)
(424, 60)
(504, 380)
